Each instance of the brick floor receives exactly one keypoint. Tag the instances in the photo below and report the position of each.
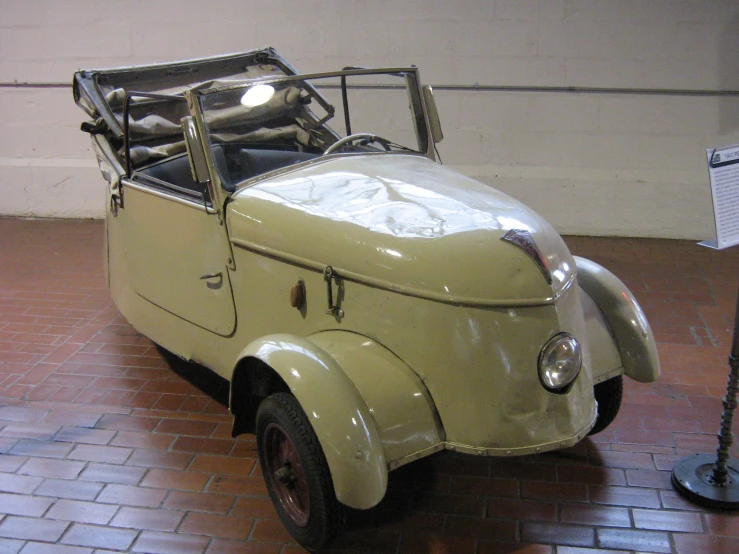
(106, 447)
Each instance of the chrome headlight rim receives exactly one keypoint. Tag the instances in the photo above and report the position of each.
(560, 362)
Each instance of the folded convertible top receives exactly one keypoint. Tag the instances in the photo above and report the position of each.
(99, 92)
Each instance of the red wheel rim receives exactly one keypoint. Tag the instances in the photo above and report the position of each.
(285, 474)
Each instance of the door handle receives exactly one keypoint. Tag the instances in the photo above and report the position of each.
(211, 275)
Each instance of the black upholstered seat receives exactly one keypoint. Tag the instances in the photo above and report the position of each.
(234, 165)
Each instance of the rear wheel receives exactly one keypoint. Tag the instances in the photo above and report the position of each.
(296, 472)
(608, 394)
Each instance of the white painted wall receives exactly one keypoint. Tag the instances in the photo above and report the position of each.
(591, 163)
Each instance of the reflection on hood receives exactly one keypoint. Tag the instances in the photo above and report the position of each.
(393, 206)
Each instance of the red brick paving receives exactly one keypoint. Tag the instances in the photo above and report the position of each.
(104, 447)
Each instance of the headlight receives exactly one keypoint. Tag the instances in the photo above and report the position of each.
(559, 362)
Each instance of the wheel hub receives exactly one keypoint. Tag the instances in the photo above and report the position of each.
(284, 470)
(286, 475)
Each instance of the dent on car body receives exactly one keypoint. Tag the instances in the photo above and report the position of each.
(410, 224)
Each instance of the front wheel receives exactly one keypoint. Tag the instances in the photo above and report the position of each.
(296, 472)
(608, 394)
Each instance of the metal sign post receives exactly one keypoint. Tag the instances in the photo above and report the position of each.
(699, 478)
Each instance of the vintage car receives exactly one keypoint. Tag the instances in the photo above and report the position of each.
(298, 235)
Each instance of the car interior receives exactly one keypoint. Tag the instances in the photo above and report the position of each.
(235, 163)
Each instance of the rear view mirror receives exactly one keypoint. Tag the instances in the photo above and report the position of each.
(428, 97)
(196, 155)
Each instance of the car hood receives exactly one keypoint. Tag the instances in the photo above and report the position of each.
(404, 223)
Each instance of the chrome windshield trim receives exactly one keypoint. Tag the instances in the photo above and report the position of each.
(301, 77)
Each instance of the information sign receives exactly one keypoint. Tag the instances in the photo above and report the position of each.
(723, 169)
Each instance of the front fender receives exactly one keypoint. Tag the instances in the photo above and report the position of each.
(628, 325)
(402, 409)
(339, 416)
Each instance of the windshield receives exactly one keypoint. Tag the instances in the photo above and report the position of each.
(253, 128)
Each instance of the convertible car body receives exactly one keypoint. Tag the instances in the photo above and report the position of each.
(297, 235)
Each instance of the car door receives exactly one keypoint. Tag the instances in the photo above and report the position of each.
(176, 248)
(175, 257)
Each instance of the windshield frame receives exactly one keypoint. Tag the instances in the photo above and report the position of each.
(411, 83)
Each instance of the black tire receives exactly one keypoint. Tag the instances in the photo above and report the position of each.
(296, 473)
(608, 394)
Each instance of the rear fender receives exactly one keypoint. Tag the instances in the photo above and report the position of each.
(622, 319)
(337, 412)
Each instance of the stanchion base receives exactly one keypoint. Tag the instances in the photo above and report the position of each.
(692, 478)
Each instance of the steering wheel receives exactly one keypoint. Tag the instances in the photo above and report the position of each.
(367, 137)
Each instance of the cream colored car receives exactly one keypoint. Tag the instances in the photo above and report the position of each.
(298, 235)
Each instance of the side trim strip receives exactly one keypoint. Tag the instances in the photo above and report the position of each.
(392, 287)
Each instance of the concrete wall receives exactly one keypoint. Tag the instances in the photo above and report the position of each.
(624, 164)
